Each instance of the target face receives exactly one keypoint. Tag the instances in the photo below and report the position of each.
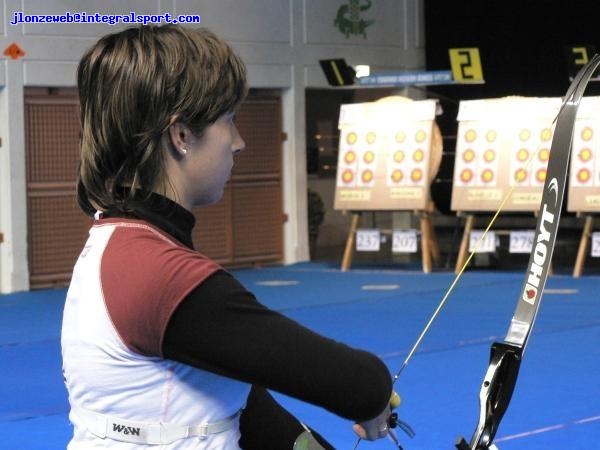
(384, 155)
(357, 159)
(584, 174)
(585, 164)
(502, 144)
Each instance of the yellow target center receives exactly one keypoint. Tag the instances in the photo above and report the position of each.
(351, 138)
(466, 175)
(347, 176)
(470, 135)
(587, 133)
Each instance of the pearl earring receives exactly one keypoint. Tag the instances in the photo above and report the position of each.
(184, 150)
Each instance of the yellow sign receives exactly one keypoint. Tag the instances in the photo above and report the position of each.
(577, 57)
(580, 56)
(466, 65)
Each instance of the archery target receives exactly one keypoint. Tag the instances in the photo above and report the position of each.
(585, 164)
(407, 162)
(529, 160)
(384, 154)
(584, 172)
(357, 159)
(502, 144)
(477, 157)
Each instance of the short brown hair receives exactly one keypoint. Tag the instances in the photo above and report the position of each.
(133, 85)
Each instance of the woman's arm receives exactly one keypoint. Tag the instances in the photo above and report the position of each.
(222, 328)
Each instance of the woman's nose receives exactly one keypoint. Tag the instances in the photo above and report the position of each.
(238, 143)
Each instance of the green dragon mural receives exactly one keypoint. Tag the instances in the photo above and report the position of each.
(348, 19)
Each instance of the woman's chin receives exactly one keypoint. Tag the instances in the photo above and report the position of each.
(209, 199)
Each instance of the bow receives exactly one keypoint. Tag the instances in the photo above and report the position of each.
(501, 376)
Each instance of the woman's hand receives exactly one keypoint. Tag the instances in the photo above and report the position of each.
(378, 427)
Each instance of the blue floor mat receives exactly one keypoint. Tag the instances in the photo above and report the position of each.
(556, 402)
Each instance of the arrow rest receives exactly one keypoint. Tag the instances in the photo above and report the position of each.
(394, 422)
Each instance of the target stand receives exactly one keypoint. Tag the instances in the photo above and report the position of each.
(584, 244)
(389, 152)
(430, 251)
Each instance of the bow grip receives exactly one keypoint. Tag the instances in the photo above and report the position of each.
(495, 394)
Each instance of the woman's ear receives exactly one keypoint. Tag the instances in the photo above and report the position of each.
(179, 135)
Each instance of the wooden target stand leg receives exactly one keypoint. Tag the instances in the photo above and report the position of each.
(430, 249)
(426, 243)
(463, 251)
(433, 241)
(583, 246)
(349, 250)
